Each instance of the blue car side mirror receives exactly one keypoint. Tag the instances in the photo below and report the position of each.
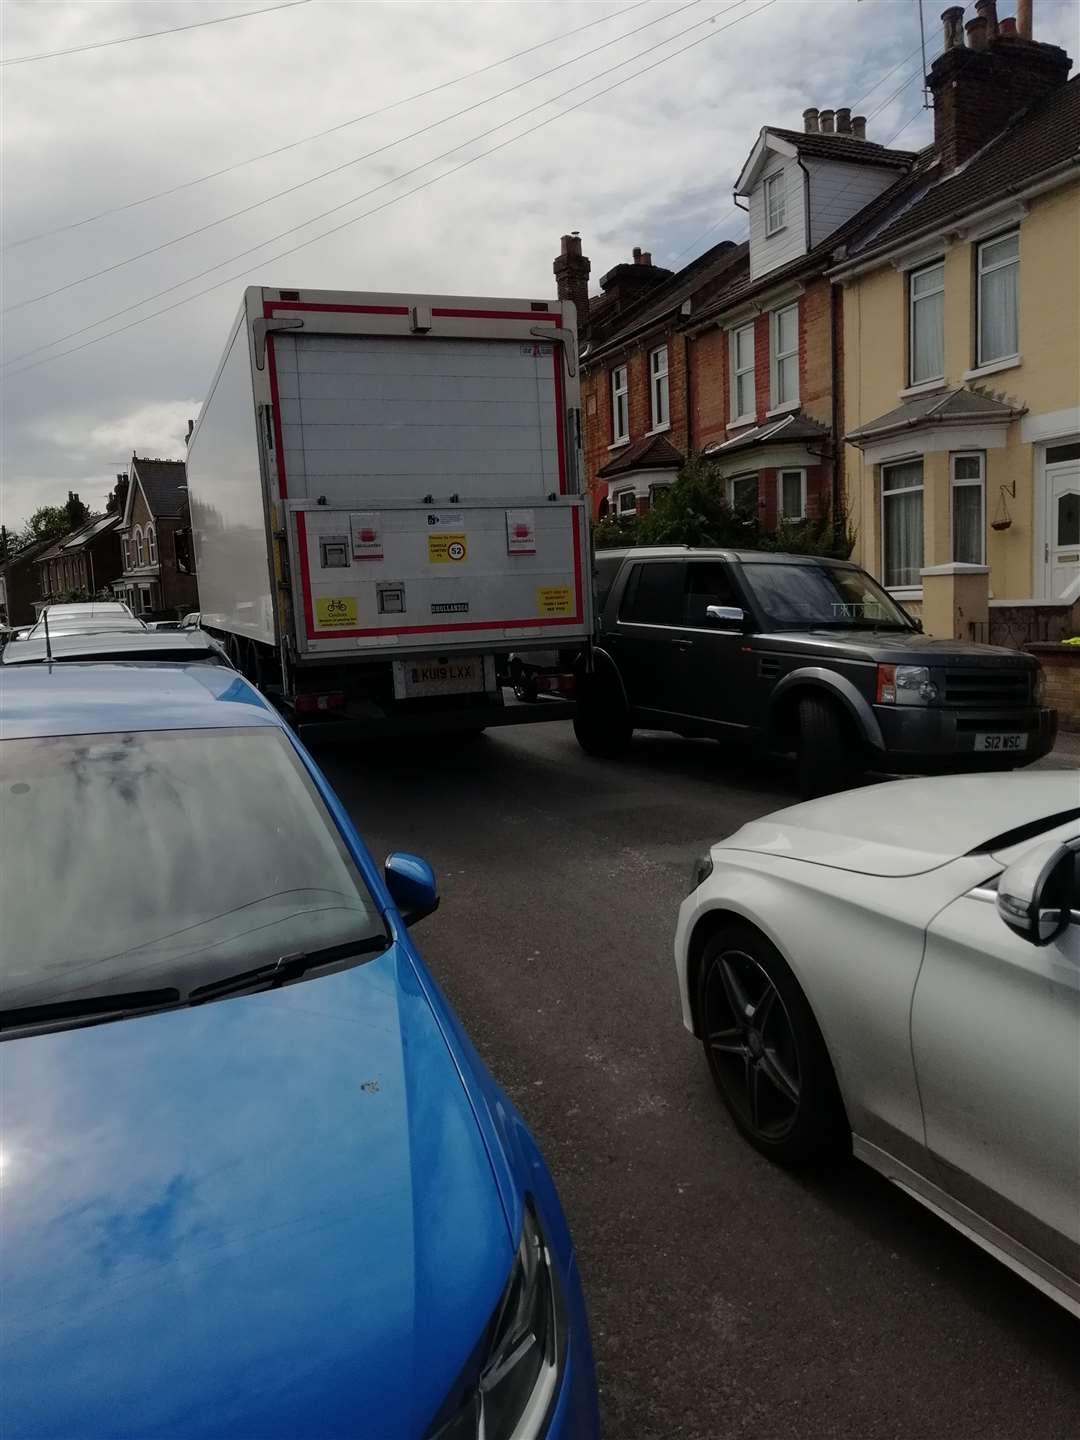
(412, 885)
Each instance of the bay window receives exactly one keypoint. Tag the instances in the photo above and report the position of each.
(968, 508)
(785, 356)
(626, 502)
(998, 302)
(902, 523)
(791, 487)
(620, 405)
(742, 491)
(742, 373)
(926, 324)
(658, 386)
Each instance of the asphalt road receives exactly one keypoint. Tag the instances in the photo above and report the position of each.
(728, 1298)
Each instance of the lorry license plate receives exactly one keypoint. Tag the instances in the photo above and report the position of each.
(461, 675)
(1000, 743)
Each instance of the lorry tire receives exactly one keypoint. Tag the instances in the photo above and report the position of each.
(602, 722)
(829, 756)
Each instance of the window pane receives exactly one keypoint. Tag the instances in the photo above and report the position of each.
(928, 338)
(967, 524)
(998, 317)
(787, 380)
(655, 594)
(902, 516)
(996, 252)
(791, 505)
(706, 584)
(627, 502)
(967, 467)
(744, 347)
(925, 281)
(902, 477)
(744, 393)
(743, 490)
(1056, 454)
(787, 330)
(1068, 521)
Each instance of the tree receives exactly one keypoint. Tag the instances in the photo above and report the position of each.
(48, 522)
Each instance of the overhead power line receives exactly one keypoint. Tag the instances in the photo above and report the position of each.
(348, 164)
(320, 134)
(425, 184)
(150, 34)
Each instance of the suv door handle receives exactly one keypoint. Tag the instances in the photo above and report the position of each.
(682, 644)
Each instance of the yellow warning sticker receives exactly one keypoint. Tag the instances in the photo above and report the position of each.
(446, 549)
(338, 613)
(554, 600)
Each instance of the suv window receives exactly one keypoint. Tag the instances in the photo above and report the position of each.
(654, 594)
(607, 567)
(707, 583)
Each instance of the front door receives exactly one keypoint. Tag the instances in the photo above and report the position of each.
(1062, 522)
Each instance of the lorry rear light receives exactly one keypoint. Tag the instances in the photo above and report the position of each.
(309, 703)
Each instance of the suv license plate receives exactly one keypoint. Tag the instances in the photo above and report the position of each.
(1000, 743)
(459, 675)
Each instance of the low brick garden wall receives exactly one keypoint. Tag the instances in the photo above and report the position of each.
(1061, 664)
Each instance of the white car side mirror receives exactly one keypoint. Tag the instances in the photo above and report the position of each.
(1037, 892)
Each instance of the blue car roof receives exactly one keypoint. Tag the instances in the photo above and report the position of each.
(93, 699)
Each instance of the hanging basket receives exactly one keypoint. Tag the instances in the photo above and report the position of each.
(1002, 520)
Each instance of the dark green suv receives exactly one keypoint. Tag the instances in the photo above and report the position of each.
(800, 655)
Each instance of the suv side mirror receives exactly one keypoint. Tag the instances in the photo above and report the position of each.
(412, 885)
(1036, 893)
(725, 617)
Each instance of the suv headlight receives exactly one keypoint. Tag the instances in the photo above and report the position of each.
(513, 1378)
(905, 685)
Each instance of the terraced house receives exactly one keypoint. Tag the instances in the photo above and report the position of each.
(962, 349)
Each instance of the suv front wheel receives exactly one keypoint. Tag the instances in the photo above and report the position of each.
(829, 754)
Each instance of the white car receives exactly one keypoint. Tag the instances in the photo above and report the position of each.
(897, 970)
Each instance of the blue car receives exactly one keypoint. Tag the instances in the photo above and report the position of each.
(256, 1180)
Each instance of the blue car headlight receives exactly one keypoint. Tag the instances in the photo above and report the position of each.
(513, 1378)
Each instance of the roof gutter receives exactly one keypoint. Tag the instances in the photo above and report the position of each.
(923, 422)
(1050, 180)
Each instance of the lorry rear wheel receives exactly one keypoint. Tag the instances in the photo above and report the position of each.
(828, 755)
(602, 723)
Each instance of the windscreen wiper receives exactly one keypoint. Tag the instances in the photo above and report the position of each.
(88, 1007)
(285, 968)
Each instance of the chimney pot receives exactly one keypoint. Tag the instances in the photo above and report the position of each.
(988, 10)
(826, 118)
(858, 127)
(810, 120)
(976, 33)
(637, 254)
(1007, 27)
(953, 22)
(1023, 19)
(843, 120)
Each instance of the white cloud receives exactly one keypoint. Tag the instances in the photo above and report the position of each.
(649, 163)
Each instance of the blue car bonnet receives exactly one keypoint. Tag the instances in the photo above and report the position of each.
(269, 1216)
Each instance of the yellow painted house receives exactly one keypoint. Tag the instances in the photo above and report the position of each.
(961, 342)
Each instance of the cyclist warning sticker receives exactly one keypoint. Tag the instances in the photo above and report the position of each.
(335, 614)
(554, 600)
(447, 549)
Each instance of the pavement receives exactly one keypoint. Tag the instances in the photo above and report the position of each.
(728, 1298)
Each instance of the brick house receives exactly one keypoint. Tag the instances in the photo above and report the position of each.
(738, 356)
(155, 532)
(19, 586)
(81, 564)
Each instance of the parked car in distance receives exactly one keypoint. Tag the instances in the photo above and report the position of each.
(894, 970)
(257, 1181)
(799, 654)
(118, 643)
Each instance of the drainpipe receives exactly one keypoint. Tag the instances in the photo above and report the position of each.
(836, 319)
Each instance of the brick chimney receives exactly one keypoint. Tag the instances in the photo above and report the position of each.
(626, 283)
(979, 87)
(572, 270)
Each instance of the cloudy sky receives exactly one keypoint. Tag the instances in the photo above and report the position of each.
(88, 135)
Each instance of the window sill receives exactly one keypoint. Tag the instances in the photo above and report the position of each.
(743, 422)
(906, 592)
(619, 444)
(778, 231)
(1010, 362)
(658, 429)
(925, 387)
(782, 409)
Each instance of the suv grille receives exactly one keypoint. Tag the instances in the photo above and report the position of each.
(987, 689)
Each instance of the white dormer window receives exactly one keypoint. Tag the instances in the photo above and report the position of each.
(775, 203)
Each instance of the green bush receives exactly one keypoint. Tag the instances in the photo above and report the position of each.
(615, 532)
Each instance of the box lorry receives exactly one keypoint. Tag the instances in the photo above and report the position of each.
(386, 508)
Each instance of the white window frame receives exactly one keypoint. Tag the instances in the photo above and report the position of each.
(736, 375)
(955, 484)
(126, 543)
(778, 356)
(790, 470)
(659, 392)
(913, 300)
(620, 414)
(980, 271)
(733, 480)
(620, 508)
(904, 490)
(775, 184)
(151, 545)
(138, 547)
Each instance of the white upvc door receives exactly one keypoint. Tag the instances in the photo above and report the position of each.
(1062, 553)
